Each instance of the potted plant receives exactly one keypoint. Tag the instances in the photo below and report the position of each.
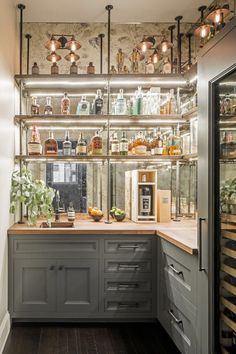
(228, 196)
(34, 194)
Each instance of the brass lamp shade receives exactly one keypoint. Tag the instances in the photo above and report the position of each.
(53, 57)
(52, 44)
(73, 44)
(216, 15)
(72, 57)
(164, 46)
(203, 30)
(146, 43)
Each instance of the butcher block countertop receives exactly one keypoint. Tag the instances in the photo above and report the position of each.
(182, 234)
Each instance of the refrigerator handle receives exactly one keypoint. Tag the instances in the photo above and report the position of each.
(201, 269)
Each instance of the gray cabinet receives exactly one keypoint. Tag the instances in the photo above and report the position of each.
(176, 295)
(77, 286)
(35, 285)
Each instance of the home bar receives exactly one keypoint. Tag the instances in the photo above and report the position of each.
(118, 177)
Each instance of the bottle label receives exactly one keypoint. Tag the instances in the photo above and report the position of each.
(145, 204)
(98, 105)
(115, 147)
(34, 149)
(80, 149)
(71, 215)
(157, 151)
(67, 151)
(140, 149)
(123, 147)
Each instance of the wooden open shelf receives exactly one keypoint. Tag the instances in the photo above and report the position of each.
(229, 252)
(229, 270)
(228, 234)
(228, 218)
(229, 287)
(227, 303)
(231, 324)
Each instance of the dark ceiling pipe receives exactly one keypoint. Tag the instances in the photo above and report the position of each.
(189, 36)
(101, 36)
(178, 19)
(171, 29)
(109, 8)
(21, 7)
(28, 37)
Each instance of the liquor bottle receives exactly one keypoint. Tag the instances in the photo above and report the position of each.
(121, 106)
(83, 107)
(124, 145)
(175, 147)
(115, 145)
(48, 106)
(81, 148)
(138, 102)
(165, 150)
(145, 200)
(54, 69)
(166, 66)
(34, 145)
(35, 69)
(98, 104)
(71, 212)
(91, 68)
(140, 146)
(172, 103)
(50, 145)
(96, 144)
(34, 106)
(65, 104)
(67, 145)
(157, 144)
(227, 105)
(149, 66)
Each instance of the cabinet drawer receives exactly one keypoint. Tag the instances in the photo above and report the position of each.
(178, 325)
(127, 286)
(128, 246)
(179, 271)
(129, 305)
(56, 246)
(124, 266)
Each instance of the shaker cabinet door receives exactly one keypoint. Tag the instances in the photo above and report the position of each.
(34, 286)
(78, 286)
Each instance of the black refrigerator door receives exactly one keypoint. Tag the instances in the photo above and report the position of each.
(224, 91)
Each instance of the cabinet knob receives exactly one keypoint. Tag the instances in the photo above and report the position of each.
(61, 267)
(52, 267)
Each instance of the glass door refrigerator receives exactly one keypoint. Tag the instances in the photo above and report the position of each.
(225, 212)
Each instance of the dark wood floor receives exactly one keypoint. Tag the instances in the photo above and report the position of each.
(89, 339)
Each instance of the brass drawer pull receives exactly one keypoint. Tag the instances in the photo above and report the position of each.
(128, 247)
(178, 272)
(128, 286)
(128, 305)
(129, 267)
(52, 267)
(61, 267)
(171, 313)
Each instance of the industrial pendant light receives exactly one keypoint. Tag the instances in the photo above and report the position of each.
(164, 46)
(73, 44)
(155, 56)
(146, 43)
(53, 57)
(204, 28)
(218, 14)
(53, 44)
(72, 57)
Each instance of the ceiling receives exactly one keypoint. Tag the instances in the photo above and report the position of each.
(125, 11)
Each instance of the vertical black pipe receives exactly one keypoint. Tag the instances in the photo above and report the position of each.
(178, 19)
(101, 36)
(201, 9)
(180, 51)
(171, 29)
(28, 37)
(189, 36)
(21, 7)
(109, 8)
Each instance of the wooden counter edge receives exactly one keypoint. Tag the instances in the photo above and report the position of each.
(177, 243)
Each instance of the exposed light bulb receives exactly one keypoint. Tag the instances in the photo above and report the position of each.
(203, 32)
(53, 46)
(164, 47)
(54, 59)
(155, 58)
(144, 47)
(218, 17)
(73, 47)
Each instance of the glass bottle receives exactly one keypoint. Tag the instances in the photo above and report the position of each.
(124, 146)
(91, 68)
(165, 150)
(120, 107)
(83, 107)
(172, 103)
(140, 146)
(34, 145)
(145, 200)
(48, 106)
(227, 105)
(157, 144)
(149, 67)
(138, 103)
(98, 104)
(115, 145)
(96, 145)
(67, 145)
(50, 145)
(35, 69)
(74, 68)
(71, 212)
(34, 106)
(166, 66)
(175, 147)
(54, 69)
(65, 104)
(81, 148)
